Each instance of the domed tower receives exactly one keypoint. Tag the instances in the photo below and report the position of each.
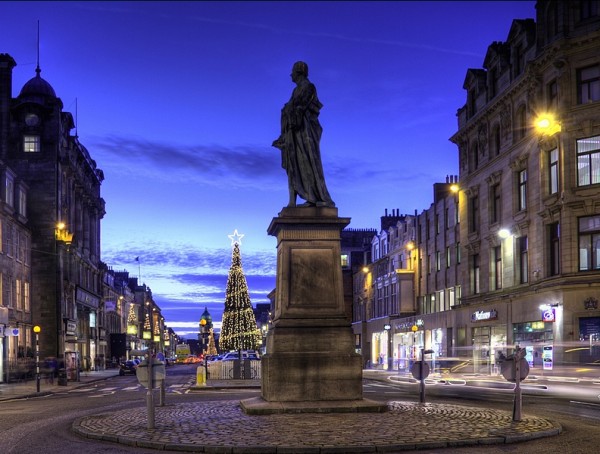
(37, 90)
(205, 328)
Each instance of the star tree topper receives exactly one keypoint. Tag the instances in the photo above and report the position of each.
(236, 238)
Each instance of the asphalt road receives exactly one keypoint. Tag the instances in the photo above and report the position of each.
(42, 425)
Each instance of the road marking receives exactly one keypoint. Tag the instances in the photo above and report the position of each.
(102, 395)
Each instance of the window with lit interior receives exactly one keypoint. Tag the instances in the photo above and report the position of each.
(588, 161)
(553, 171)
(31, 144)
(589, 243)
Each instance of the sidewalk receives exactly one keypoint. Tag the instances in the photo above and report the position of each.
(26, 389)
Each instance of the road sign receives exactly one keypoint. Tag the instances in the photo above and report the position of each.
(508, 370)
(416, 369)
(158, 373)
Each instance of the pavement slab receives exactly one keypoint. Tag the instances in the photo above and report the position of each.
(223, 427)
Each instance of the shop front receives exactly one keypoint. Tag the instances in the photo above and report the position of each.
(381, 335)
(489, 337)
(408, 342)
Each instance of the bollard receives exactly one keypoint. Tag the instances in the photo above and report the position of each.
(200, 376)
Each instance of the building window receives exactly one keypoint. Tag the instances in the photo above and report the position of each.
(588, 84)
(495, 204)
(8, 236)
(474, 156)
(589, 243)
(31, 144)
(554, 239)
(496, 142)
(523, 260)
(474, 218)
(9, 292)
(476, 286)
(472, 103)
(345, 262)
(18, 295)
(9, 191)
(522, 201)
(588, 161)
(448, 258)
(438, 261)
(437, 224)
(553, 171)
(497, 254)
(521, 123)
(22, 203)
(552, 95)
(587, 10)
(458, 253)
(26, 299)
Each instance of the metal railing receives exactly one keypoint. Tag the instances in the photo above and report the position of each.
(249, 369)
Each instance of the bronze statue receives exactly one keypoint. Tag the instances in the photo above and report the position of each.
(299, 142)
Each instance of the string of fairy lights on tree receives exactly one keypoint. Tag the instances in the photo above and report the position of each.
(239, 330)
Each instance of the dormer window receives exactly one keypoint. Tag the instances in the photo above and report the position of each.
(31, 144)
(9, 190)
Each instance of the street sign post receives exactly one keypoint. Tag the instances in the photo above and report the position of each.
(516, 368)
(158, 373)
(420, 370)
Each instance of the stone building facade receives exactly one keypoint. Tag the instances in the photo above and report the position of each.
(64, 209)
(530, 192)
(513, 258)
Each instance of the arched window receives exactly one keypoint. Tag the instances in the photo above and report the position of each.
(496, 142)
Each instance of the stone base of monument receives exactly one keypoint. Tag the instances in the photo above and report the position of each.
(311, 364)
(259, 406)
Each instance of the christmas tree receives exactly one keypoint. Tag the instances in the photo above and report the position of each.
(239, 330)
(212, 348)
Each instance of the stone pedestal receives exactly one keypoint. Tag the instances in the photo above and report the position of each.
(310, 361)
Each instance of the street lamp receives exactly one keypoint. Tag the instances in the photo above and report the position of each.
(36, 330)
(546, 124)
(504, 233)
(205, 333)
(388, 329)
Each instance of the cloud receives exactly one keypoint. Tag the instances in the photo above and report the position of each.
(213, 165)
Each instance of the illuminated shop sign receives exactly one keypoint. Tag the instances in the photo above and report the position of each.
(481, 316)
(549, 314)
(407, 326)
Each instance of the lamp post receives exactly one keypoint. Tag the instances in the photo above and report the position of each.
(36, 330)
(205, 333)
(388, 330)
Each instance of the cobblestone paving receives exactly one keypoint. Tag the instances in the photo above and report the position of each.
(225, 428)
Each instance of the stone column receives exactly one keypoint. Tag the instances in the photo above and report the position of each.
(310, 345)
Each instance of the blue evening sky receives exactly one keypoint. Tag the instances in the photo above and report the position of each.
(179, 102)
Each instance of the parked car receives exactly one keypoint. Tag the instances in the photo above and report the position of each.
(246, 354)
(129, 367)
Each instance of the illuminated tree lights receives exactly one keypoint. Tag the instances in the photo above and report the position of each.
(212, 348)
(239, 330)
(131, 316)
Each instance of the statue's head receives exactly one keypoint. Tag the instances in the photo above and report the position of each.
(300, 68)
